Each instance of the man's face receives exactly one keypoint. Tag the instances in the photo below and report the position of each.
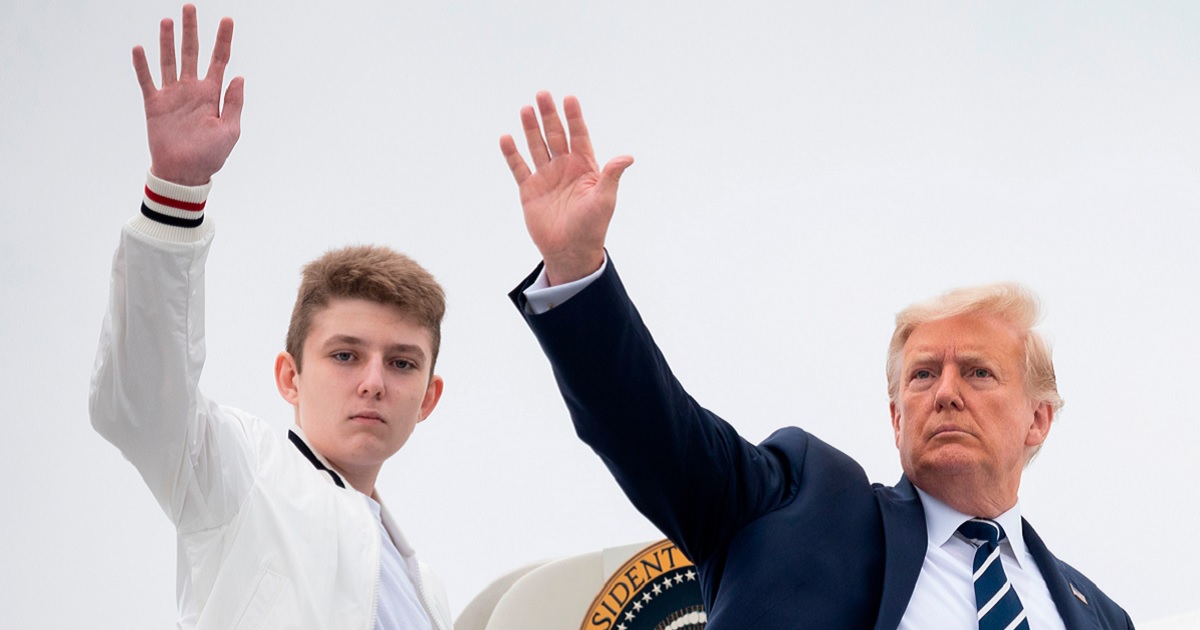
(963, 419)
(364, 384)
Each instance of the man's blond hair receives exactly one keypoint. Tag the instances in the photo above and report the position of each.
(1009, 301)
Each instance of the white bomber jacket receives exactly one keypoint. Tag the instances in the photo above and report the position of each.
(266, 538)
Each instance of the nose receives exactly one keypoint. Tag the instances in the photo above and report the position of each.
(372, 383)
(948, 394)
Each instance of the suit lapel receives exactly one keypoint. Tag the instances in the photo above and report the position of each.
(1068, 596)
(905, 541)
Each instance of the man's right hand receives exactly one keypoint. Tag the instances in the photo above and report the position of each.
(190, 134)
(568, 201)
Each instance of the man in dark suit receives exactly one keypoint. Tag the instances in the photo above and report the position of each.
(790, 533)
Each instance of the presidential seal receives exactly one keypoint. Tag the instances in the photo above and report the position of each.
(657, 589)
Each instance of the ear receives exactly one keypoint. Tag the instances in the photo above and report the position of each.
(286, 377)
(1043, 417)
(895, 411)
(433, 393)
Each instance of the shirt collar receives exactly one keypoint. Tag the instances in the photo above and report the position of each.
(375, 507)
(942, 521)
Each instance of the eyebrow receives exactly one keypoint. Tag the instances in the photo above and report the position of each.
(396, 348)
(925, 358)
(922, 358)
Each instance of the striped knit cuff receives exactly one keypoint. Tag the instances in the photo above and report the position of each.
(173, 204)
(172, 212)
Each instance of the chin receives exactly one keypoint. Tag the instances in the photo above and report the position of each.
(947, 461)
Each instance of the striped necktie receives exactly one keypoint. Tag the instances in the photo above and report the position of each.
(997, 601)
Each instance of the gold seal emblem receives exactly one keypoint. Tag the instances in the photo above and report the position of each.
(657, 589)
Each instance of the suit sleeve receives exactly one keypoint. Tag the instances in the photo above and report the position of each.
(682, 466)
(145, 397)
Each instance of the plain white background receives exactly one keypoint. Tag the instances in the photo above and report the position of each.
(804, 170)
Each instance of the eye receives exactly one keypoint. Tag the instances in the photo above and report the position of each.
(403, 364)
(342, 357)
(922, 374)
(981, 373)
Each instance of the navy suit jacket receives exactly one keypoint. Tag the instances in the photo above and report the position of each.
(785, 534)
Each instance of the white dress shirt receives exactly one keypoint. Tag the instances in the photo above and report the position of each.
(945, 594)
(399, 607)
(541, 297)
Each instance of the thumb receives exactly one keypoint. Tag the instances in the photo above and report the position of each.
(611, 175)
(231, 112)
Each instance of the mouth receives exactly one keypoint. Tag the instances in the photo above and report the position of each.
(950, 430)
(368, 417)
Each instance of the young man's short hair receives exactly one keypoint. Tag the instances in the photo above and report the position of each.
(368, 272)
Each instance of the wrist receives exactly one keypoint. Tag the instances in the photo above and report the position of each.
(564, 268)
(179, 177)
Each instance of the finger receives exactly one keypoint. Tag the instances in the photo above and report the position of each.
(142, 69)
(166, 51)
(220, 54)
(556, 137)
(580, 141)
(516, 163)
(533, 137)
(231, 112)
(189, 49)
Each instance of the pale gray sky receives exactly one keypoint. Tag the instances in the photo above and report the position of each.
(804, 170)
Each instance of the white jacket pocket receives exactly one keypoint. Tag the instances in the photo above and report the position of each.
(256, 610)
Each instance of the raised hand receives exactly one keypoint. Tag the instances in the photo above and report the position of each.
(190, 134)
(568, 201)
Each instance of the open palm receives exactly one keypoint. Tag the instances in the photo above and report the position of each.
(568, 201)
(190, 136)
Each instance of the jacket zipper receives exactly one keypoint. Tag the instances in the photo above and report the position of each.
(429, 610)
(378, 577)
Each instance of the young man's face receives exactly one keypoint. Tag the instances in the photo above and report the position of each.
(364, 384)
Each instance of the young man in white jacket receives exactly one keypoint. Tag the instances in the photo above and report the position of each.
(274, 531)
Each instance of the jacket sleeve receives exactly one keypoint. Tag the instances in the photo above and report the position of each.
(681, 465)
(144, 395)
